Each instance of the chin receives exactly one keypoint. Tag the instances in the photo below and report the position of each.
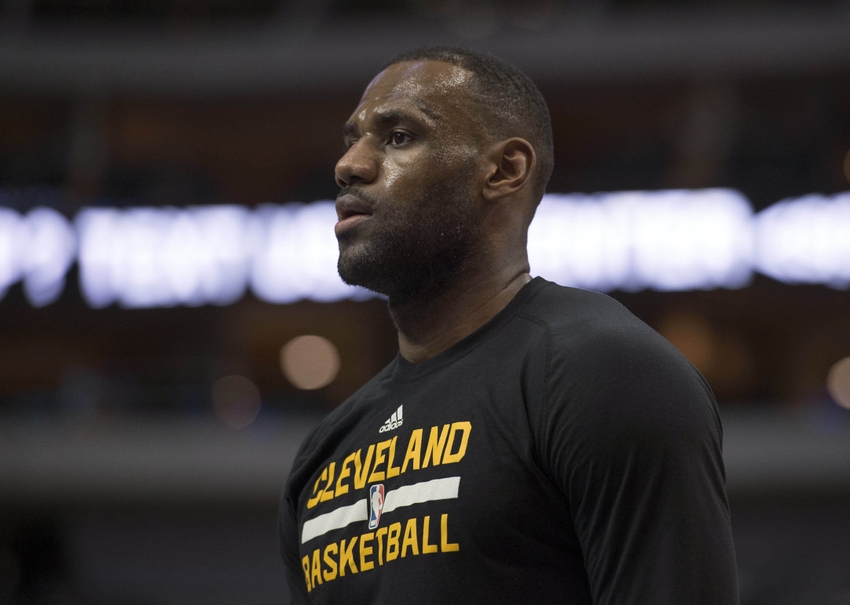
(407, 263)
(360, 270)
(400, 285)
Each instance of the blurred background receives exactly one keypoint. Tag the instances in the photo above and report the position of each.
(170, 321)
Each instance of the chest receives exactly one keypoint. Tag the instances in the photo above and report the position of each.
(430, 481)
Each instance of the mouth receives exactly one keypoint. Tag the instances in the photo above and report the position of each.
(350, 211)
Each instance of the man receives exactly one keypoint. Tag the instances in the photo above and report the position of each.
(531, 443)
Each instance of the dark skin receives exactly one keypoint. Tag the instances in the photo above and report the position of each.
(416, 126)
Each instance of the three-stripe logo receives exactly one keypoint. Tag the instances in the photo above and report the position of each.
(393, 422)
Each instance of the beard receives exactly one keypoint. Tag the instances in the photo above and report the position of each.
(415, 248)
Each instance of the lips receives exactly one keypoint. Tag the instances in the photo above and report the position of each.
(350, 210)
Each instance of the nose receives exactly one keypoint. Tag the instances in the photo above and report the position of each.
(357, 165)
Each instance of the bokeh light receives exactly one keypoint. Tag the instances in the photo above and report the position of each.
(838, 382)
(806, 240)
(309, 362)
(692, 334)
(38, 248)
(236, 401)
(665, 240)
(722, 357)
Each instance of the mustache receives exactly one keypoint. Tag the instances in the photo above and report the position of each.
(357, 192)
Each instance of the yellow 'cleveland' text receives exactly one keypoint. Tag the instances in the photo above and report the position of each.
(383, 460)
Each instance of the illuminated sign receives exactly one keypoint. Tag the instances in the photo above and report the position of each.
(160, 257)
(805, 240)
(38, 248)
(662, 240)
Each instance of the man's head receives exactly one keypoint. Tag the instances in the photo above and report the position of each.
(508, 103)
(447, 155)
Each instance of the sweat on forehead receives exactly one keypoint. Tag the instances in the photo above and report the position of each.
(433, 92)
(418, 79)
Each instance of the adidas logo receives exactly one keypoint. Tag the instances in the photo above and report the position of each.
(393, 422)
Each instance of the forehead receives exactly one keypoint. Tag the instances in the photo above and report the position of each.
(435, 87)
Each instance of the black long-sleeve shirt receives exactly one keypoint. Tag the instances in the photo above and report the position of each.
(563, 453)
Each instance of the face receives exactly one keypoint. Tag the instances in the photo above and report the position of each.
(408, 203)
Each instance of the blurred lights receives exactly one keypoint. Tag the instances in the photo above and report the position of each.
(838, 382)
(159, 257)
(236, 401)
(38, 248)
(721, 357)
(693, 336)
(806, 240)
(664, 240)
(309, 362)
(296, 253)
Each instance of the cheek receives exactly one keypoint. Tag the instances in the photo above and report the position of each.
(404, 171)
(462, 154)
(457, 163)
(446, 163)
(392, 173)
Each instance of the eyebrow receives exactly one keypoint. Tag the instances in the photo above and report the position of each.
(349, 128)
(385, 118)
(421, 106)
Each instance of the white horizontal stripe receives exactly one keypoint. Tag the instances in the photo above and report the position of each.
(426, 491)
(437, 489)
(359, 511)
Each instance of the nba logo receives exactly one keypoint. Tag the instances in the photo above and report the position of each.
(376, 504)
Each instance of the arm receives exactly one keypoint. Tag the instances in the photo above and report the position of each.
(288, 532)
(633, 438)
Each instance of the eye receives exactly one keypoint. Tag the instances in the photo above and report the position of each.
(397, 137)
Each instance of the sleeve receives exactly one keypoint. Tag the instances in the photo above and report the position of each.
(288, 532)
(633, 438)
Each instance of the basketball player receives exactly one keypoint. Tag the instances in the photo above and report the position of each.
(553, 449)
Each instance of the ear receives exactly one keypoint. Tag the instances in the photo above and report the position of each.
(512, 163)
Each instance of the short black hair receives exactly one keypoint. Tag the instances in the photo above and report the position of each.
(514, 105)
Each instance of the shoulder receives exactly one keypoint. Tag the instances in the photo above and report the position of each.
(580, 316)
(607, 369)
(590, 334)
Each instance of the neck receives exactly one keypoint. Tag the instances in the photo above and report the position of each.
(429, 325)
